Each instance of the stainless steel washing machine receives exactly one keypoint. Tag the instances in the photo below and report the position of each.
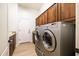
(57, 39)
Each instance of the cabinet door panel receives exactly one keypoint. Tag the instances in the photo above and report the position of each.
(45, 18)
(40, 20)
(58, 12)
(72, 10)
(52, 14)
(37, 21)
(67, 11)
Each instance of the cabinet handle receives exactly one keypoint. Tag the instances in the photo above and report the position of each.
(10, 41)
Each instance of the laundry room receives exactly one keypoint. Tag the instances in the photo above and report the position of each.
(39, 29)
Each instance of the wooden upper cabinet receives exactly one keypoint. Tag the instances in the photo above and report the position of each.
(52, 13)
(67, 11)
(57, 12)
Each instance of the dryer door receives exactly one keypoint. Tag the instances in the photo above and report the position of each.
(37, 38)
(49, 40)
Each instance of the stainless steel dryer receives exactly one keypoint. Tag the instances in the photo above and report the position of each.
(58, 39)
(38, 43)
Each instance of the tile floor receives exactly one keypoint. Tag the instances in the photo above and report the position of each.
(25, 49)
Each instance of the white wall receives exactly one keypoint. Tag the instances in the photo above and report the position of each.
(12, 16)
(77, 26)
(3, 30)
(27, 15)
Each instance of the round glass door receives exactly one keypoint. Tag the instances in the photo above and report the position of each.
(49, 40)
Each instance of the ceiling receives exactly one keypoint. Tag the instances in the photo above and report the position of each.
(35, 6)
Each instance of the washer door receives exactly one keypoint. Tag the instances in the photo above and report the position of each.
(49, 40)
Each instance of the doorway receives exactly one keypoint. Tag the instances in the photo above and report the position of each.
(24, 31)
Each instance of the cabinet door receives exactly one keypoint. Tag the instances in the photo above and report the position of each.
(14, 42)
(11, 46)
(58, 12)
(52, 13)
(45, 17)
(40, 20)
(67, 11)
(72, 8)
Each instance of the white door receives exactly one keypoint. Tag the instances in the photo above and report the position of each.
(24, 31)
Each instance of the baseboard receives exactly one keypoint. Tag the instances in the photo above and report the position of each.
(21, 42)
(24, 41)
(6, 52)
(17, 44)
